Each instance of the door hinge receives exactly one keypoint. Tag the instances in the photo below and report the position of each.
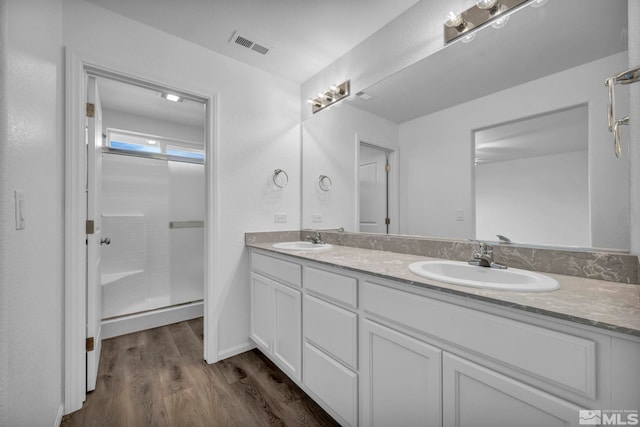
(387, 167)
(387, 221)
(91, 109)
(89, 344)
(90, 226)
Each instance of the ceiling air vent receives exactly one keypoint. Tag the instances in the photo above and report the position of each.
(248, 43)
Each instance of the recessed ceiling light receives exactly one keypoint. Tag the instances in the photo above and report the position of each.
(151, 142)
(171, 97)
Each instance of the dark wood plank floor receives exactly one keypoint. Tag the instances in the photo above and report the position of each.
(158, 378)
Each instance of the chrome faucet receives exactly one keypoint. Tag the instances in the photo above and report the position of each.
(484, 258)
(316, 239)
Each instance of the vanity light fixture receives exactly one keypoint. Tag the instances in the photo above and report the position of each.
(482, 13)
(171, 97)
(329, 97)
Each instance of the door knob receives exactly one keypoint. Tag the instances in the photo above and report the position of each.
(105, 241)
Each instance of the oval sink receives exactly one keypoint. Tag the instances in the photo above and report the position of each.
(302, 246)
(461, 273)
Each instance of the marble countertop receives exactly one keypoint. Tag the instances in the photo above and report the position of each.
(601, 304)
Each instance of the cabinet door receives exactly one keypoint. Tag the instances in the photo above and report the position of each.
(476, 396)
(400, 379)
(261, 312)
(287, 328)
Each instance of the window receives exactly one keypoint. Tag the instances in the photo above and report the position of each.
(153, 146)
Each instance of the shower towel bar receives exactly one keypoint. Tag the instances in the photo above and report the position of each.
(632, 75)
(186, 224)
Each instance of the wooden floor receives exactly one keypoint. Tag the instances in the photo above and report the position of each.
(158, 378)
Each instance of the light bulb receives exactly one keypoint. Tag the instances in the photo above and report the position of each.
(454, 20)
(486, 4)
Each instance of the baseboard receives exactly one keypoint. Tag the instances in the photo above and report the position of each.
(235, 350)
(151, 319)
(58, 420)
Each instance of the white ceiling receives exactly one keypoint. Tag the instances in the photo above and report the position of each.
(304, 36)
(559, 132)
(130, 99)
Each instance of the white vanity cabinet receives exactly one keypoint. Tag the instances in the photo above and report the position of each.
(276, 310)
(377, 352)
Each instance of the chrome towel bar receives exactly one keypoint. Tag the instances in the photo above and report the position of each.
(632, 75)
(186, 224)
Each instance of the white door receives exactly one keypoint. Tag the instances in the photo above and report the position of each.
(94, 228)
(373, 189)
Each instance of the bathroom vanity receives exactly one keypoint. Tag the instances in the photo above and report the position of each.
(375, 344)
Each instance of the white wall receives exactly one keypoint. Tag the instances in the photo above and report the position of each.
(135, 123)
(257, 131)
(437, 154)
(31, 260)
(331, 141)
(537, 200)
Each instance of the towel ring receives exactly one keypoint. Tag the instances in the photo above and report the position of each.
(325, 183)
(280, 178)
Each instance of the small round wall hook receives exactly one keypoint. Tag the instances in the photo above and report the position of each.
(280, 178)
(325, 183)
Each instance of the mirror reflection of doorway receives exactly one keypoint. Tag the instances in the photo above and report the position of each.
(373, 178)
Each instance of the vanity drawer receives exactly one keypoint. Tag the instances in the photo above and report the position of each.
(343, 289)
(332, 328)
(283, 271)
(557, 358)
(336, 385)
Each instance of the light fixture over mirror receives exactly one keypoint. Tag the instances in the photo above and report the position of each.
(329, 97)
(483, 12)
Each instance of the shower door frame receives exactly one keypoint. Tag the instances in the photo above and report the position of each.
(76, 73)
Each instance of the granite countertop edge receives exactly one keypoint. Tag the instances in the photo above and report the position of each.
(605, 305)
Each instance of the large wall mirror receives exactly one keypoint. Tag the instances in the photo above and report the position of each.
(505, 134)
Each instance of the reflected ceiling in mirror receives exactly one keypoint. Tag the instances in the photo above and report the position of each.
(535, 42)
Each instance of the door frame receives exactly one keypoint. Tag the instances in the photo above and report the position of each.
(76, 71)
(394, 213)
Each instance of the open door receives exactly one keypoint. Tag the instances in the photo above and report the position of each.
(374, 190)
(94, 231)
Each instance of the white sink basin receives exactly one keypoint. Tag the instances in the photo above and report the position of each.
(461, 273)
(302, 246)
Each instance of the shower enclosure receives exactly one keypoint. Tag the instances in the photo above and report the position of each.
(153, 208)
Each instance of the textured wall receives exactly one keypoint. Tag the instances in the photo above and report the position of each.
(31, 260)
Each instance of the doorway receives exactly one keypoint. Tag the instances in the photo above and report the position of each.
(82, 316)
(374, 170)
